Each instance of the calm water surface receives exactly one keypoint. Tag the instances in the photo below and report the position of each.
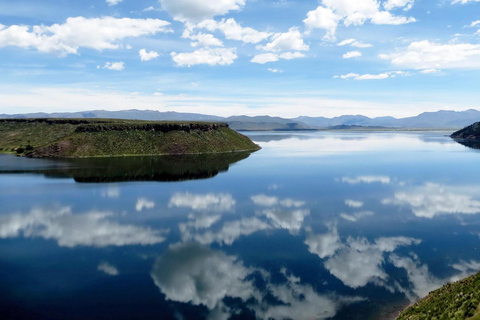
(313, 226)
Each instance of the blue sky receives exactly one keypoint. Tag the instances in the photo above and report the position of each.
(229, 57)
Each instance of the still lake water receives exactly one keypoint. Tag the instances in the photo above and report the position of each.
(318, 225)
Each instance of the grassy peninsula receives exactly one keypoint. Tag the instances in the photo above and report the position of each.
(74, 138)
(455, 301)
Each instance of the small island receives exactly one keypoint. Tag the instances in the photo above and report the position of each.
(468, 136)
(77, 138)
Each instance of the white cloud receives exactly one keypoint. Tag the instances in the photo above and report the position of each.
(430, 55)
(71, 230)
(475, 23)
(323, 18)
(108, 269)
(220, 56)
(272, 57)
(203, 202)
(202, 39)
(367, 179)
(426, 71)
(192, 273)
(291, 220)
(274, 70)
(144, 203)
(464, 1)
(288, 41)
(380, 76)
(234, 31)
(79, 32)
(117, 66)
(356, 216)
(352, 12)
(146, 56)
(354, 43)
(434, 199)
(394, 4)
(195, 10)
(352, 54)
(353, 203)
(113, 2)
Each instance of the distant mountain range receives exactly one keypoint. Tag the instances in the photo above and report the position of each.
(436, 120)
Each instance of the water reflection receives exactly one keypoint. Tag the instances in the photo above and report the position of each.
(120, 169)
(192, 273)
(470, 143)
(92, 228)
(314, 235)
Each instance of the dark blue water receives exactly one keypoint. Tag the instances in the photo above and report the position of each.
(313, 226)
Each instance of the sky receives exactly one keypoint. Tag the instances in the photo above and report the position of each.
(240, 57)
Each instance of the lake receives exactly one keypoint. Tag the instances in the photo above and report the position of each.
(316, 225)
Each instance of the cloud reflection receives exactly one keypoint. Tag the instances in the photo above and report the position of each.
(203, 202)
(196, 274)
(93, 228)
(433, 199)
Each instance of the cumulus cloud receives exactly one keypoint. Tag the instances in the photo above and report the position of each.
(202, 39)
(353, 43)
(288, 41)
(352, 54)
(380, 76)
(220, 56)
(394, 4)
(220, 202)
(434, 199)
(147, 55)
(272, 57)
(117, 66)
(234, 31)
(144, 203)
(194, 10)
(430, 55)
(79, 32)
(367, 179)
(113, 2)
(330, 13)
(108, 269)
(70, 230)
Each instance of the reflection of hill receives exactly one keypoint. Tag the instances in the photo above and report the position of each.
(162, 168)
(474, 144)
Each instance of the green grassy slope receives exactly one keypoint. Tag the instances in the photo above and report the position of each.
(459, 300)
(97, 138)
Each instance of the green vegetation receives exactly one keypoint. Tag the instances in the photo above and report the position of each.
(64, 138)
(459, 300)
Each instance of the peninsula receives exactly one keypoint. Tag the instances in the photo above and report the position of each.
(76, 138)
(468, 136)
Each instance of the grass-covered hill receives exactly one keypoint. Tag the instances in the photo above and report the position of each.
(65, 138)
(455, 301)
